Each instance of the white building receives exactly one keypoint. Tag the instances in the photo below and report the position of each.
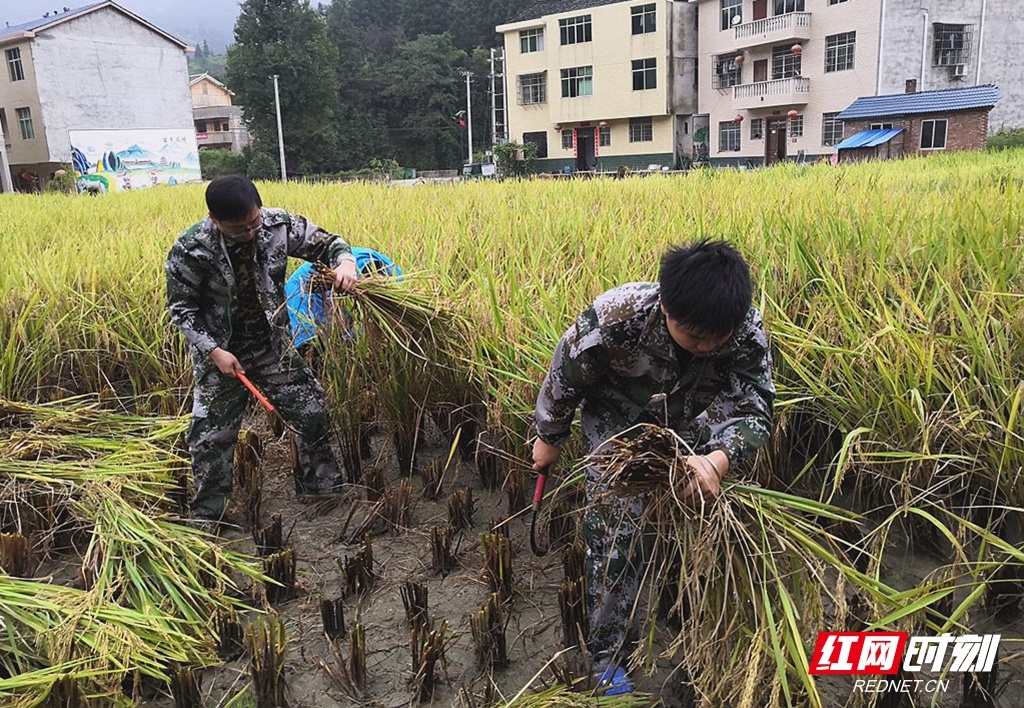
(98, 67)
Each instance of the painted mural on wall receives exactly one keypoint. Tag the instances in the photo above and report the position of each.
(121, 160)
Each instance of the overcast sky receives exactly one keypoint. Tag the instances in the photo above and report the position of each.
(190, 20)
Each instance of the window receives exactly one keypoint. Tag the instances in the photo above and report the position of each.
(200, 126)
(604, 136)
(796, 127)
(727, 71)
(839, 51)
(880, 126)
(952, 44)
(836, 2)
(641, 130)
(567, 140)
(783, 7)
(728, 136)
(531, 40)
(933, 134)
(533, 88)
(757, 129)
(28, 131)
(732, 11)
(831, 129)
(575, 30)
(225, 127)
(14, 67)
(784, 63)
(578, 81)
(644, 18)
(645, 74)
(538, 139)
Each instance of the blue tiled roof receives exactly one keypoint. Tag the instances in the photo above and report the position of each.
(43, 21)
(901, 104)
(554, 7)
(869, 138)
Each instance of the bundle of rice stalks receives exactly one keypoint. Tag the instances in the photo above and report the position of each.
(266, 644)
(441, 553)
(332, 614)
(186, 687)
(374, 483)
(17, 558)
(428, 650)
(574, 558)
(488, 626)
(397, 508)
(357, 571)
(562, 524)
(572, 598)
(738, 567)
(432, 476)
(229, 634)
(349, 673)
(414, 599)
(515, 488)
(357, 657)
(497, 551)
(248, 476)
(279, 568)
(460, 509)
(269, 540)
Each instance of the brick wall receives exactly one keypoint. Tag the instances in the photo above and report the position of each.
(965, 130)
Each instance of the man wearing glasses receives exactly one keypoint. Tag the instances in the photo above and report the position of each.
(225, 292)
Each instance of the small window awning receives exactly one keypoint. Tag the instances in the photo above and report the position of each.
(869, 138)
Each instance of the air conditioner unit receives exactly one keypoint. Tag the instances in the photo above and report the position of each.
(958, 71)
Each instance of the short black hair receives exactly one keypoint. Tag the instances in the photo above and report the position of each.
(232, 197)
(706, 286)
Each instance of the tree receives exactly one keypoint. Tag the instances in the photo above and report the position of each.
(287, 38)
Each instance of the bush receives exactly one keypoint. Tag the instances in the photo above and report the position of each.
(217, 163)
(515, 159)
(1006, 139)
(262, 166)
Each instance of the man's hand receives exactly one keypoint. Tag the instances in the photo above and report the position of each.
(706, 483)
(544, 455)
(345, 276)
(226, 362)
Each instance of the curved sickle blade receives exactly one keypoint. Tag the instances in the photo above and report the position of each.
(538, 496)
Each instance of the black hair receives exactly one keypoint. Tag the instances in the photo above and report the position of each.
(706, 286)
(232, 197)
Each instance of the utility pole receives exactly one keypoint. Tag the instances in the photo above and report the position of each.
(494, 107)
(280, 132)
(5, 166)
(469, 117)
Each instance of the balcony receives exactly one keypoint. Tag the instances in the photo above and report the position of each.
(215, 137)
(791, 27)
(794, 91)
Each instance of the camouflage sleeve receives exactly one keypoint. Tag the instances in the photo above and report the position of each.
(184, 300)
(308, 241)
(740, 418)
(577, 363)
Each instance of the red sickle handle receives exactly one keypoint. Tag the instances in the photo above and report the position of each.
(255, 391)
(538, 491)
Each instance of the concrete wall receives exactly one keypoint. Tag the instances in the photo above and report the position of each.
(103, 70)
(614, 101)
(996, 57)
(965, 130)
(22, 94)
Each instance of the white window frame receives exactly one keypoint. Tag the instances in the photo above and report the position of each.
(840, 51)
(785, 64)
(28, 130)
(729, 9)
(15, 69)
(575, 30)
(727, 130)
(945, 133)
(567, 138)
(604, 136)
(533, 88)
(647, 71)
(757, 123)
(829, 125)
(786, 7)
(577, 81)
(531, 40)
(641, 130)
(880, 126)
(726, 72)
(644, 18)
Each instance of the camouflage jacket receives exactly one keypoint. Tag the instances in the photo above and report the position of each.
(619, 364)
(201, 282)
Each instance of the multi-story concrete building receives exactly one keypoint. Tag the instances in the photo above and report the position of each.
(599, 84)
(775, 74)
(96, 67)
(218, 122)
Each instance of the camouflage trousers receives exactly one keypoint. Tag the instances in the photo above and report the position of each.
(615, 566)
(219, 403)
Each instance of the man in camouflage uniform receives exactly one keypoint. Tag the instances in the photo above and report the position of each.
(225, 292)
(689, 352)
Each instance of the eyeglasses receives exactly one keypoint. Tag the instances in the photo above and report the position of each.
(245, 230)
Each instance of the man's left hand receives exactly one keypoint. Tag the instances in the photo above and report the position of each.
(705, 485)
(345, 276)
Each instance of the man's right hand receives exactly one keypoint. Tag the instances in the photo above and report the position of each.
(544, 455)
(226, 362)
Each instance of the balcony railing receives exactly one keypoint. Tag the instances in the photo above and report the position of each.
(778, 92)
(793, 25)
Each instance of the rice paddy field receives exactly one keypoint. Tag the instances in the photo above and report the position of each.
(889, 496)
